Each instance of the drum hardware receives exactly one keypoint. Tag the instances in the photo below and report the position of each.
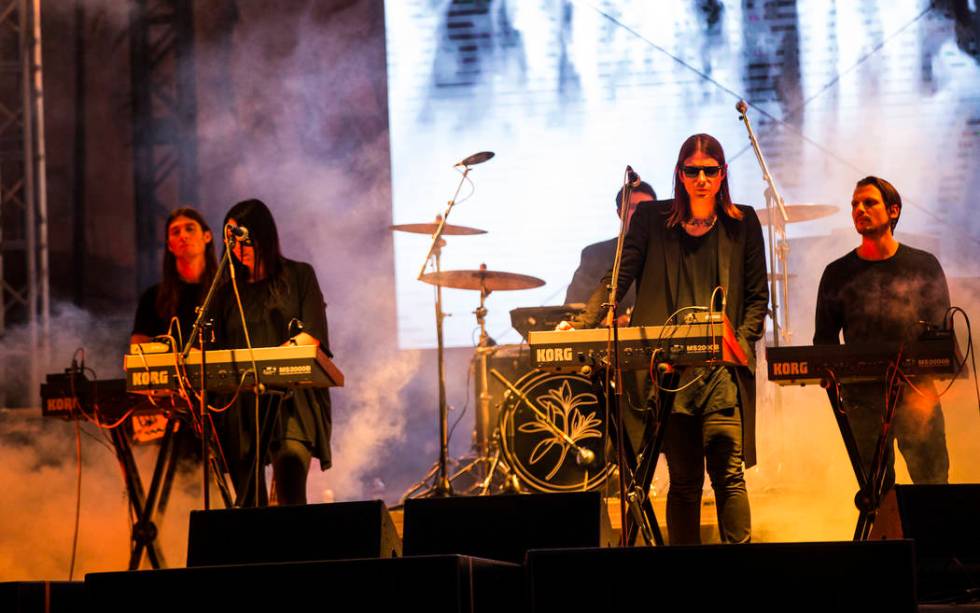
(797, 213)
(441, 485)
(430, 228)
(549, 457)
(487, 461)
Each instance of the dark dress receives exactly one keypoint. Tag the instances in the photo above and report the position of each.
(305, 416)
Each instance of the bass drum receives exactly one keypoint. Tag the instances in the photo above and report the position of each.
(531, 427)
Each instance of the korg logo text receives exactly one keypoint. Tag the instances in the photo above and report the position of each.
(790, 368)
(155, 377)
(555, 355)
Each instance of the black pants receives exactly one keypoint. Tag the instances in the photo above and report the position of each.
(918, 426)
(290, 466)
(693, 443)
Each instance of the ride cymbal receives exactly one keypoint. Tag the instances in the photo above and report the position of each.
(491, 280)
(430, 228)
(801, 212)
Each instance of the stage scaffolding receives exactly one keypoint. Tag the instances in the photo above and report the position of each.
(164, 121)
(24, 292)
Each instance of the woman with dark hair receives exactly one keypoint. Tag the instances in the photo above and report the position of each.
(678, 252)
(282, 305)
(189, 266)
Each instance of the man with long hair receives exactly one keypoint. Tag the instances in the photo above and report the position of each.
(189, 265)
(282, 305)
(887, 291)
(678, 252)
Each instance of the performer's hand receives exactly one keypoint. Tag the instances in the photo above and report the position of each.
(564, 325)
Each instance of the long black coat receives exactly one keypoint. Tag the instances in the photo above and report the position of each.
(651, 258)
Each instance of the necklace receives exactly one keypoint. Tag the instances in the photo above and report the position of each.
(697, 222)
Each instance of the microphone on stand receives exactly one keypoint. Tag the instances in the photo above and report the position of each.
(631, 177)
(741, 107)
(476, 158)
(584, 456)
(239, 232)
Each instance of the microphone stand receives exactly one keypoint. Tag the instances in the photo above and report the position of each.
(442, 486)
(777, 227)
(777, 256)
(197, 332)
(614, 371)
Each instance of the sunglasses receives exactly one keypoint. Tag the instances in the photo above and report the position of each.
(691, 172)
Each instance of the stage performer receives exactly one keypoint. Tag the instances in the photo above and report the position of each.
(283, 306)
(886, 291)
(677, 252)
(189, 265)
(597, 258)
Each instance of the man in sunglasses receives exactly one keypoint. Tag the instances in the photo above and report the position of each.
(678, 252)
(885, 291)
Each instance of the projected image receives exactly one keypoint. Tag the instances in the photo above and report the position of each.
(566, 94)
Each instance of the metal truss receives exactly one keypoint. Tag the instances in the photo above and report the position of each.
(24, 295)
(164, 121)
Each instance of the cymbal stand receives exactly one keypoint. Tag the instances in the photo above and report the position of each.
(487, 450)
(778, 255)
(442, 486)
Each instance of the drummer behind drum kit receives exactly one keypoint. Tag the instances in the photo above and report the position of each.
(546, 431)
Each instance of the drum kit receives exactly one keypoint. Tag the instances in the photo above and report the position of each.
(530, 428)
(550, 429)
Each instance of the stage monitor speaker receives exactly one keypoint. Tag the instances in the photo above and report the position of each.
(944, 522)
(505, 527)
(341, 530)
(837, 576)
(42, 596)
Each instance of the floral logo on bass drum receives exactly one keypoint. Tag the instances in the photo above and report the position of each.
(561, 411)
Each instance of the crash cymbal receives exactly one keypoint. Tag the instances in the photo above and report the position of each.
(801, 212)
(429, 228)
(491, 280)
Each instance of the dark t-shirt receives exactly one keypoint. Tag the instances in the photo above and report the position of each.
(151, 323)
(705, 388)
(880, 301)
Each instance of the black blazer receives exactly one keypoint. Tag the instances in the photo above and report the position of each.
(651, 258)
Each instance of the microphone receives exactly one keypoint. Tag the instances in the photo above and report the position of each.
(632, 178)
(584, 456)
(239, 232)
(476, 158)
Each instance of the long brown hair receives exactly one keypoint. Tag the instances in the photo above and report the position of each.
(681, 209)
(168, 294)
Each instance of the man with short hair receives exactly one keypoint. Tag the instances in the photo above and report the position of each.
(885, 291)
(597, 258)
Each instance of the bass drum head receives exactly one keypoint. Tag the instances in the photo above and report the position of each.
(540, 456)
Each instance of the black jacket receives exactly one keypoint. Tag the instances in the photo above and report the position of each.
(651, 258)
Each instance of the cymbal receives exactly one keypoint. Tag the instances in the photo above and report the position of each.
(491, 280)
(430, 228)
(801, 212)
